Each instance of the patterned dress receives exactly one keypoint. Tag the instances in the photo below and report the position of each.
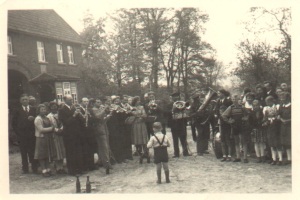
(57, 138)
(258, 131)
(139, 131)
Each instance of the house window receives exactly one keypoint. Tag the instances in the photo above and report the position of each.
(59, 51)
(66, 88)
(41, 51)
(10, 49)
(70, 55)
(74, 92)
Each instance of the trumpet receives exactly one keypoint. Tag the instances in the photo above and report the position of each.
(152, 105)
(86, 116)
(117, 109)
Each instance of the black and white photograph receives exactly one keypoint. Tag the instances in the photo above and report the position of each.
(133, 97)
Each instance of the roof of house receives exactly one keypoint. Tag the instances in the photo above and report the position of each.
(45, 77)
(45, 23)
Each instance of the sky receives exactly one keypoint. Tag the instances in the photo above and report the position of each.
(224, 30)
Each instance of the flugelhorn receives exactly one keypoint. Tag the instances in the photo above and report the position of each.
(181, 105)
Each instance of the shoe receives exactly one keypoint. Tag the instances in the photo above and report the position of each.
(263, 159)
(223, 159)
(270, 161)
(175, 156)
(273, 163)
(259, 160)
(246, 160)
(61, 171)
(135, 153)
(228, 159)
(288, 162)
(187, 154)
(158, 177)
(237, 160)
(167, 176)
(141, 160)
(279, 163)
(206, 152)
(46, 174)
(25, 171)
(200, 154)
(130, 158)
(148, 159)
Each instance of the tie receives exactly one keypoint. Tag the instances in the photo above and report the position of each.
(26, 109)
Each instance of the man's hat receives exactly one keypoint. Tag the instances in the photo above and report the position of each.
(195, 95)
(114, 97)
(151, 93)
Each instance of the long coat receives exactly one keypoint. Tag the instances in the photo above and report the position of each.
(72, 139)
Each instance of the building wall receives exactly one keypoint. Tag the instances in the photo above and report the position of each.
(25, 60)
(25, 53)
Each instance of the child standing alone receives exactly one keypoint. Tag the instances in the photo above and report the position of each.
(160, 142)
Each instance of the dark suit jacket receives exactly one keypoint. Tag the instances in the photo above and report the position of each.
(272, 93)
(71, 125)
(20, 123)
(227, 102)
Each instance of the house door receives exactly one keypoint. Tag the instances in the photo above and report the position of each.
(46, 92)
(17, 85)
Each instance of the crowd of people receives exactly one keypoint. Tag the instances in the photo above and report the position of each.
(116, 129)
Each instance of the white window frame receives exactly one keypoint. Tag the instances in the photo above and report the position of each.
(66, 90)
(10, 47)
(59, 51)
(70, 55)
(41, 51)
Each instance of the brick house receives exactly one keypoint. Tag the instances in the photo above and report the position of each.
(44, 56)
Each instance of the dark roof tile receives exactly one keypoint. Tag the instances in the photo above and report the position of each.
(45, 23)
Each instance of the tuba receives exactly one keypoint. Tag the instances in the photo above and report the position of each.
(211, 94)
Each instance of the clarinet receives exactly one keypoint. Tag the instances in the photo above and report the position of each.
(86, 117)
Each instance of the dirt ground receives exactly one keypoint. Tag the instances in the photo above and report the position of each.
(194, 174)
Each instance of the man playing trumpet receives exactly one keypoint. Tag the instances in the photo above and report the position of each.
(178, 127)
(155, 112)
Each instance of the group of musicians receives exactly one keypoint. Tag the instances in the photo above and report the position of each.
(106, 126)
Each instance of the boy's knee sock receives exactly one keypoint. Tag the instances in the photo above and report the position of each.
(257, 150)
(158, 172)
(167, 176)
(274, 152)
(289, 154)
(280, 155)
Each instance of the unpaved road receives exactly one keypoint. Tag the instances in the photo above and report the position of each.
(192, 174)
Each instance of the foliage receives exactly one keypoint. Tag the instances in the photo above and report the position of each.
(148, 48)
(260, 61)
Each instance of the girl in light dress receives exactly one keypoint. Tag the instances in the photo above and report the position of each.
(139, 134)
